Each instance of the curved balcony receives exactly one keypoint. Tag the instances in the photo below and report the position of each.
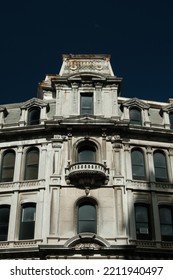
(87, 174)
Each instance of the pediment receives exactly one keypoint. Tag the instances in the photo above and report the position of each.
(168, 108)
(135, 102)
(34, 102)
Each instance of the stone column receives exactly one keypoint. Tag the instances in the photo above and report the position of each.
(170, 165)
(98, 107)
(150, 167)
(156, 220)
(18, 164)
(131, 215)
(75, 110)
(166, 119)
(58, 100)
(128, 168)
(119, 211)
(42, 115)
(114, 89)
(42, 162)
(103, 150)
(54, 211)
(14, 223)
(147, 121)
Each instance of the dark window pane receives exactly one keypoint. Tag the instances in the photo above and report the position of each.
(27, 225)
(86, 103)
(87, 218)
(34, 116)
(160, 167)
(138, 167)
(135, 116)
(166, 223)
(171, 120)
(4, 222)
(7, 170)
(31, 167)
(142, 222)
(87, 154)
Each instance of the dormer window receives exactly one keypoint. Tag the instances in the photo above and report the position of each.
(34, 116)
(135, 116)
(86, 104)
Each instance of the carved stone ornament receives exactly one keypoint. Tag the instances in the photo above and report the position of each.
(87, 245)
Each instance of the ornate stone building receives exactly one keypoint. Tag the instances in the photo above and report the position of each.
(84, 172)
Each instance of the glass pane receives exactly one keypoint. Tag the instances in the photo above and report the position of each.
(141, 214)
(28, 214)
(87, 155)
(27, 230)
(86, 104)
(165, 216)
(4, 221)
(7, 171)
(138, 168)
(135, 116)
(167, 230)
(160, 166)
(32, 160)
(87, 212)
(34, 116)
(87, 226)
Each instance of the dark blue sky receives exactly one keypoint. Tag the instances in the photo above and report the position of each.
(137, 33)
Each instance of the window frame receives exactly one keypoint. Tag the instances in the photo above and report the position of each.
(164, 167)
(143, 235)
(90, 109)
(8, 167)
(33, 120)
(4, 237)
(165, 237)
(133, 165)
(29, 166)
(135, 120)
(92, 223)
(24, 224)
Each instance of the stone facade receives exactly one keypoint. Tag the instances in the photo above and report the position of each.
(86, 173)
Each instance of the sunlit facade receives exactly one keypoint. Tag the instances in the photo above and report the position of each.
(84, 172)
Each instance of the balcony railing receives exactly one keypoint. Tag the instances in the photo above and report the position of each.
(89, 174)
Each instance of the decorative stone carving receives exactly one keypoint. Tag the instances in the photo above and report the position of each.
(91, 246)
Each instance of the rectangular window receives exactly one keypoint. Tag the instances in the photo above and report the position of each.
(166, 223)
(143, 229)
(4, 222)
(27, 225)
(86, 104)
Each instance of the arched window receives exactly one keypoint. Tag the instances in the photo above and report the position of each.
(34, 116)
(138, 164)
(27, 222)
(135, 116)
(143, 227)
(4, 221)
(87, 220)
(7, 168)
(166, 223)
(31, 164)
(171, 120)
(86, 153)
(160, 167)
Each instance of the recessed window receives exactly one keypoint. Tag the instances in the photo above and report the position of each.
(27, 224)
(4, 221)
(138, 164)
(143, 230)
(31, 165)
(86, 104)
(87, 217)
(7, 168)
(166, 223)
(87, 153)
(135, 116)
(34, 116)
(160, 167)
